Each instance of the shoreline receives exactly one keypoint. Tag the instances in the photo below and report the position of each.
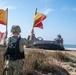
(70, 48)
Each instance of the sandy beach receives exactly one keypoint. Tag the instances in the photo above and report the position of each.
(70, 48)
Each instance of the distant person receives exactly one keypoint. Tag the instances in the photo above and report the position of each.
(32, 37)
(15, 50)
(59, 40)
(28, 38)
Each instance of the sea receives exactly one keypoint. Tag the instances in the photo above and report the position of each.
(70, 46)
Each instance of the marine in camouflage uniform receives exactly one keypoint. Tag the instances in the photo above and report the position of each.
(17, 64)
(59, 40)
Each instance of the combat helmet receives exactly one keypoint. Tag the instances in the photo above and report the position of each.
(59, 35)
(16, 29)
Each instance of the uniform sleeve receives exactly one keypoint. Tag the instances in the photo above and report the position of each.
(23, 42)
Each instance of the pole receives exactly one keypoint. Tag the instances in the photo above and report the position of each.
(32, 32)
(6, 22)
(33, 23)
(36, 11)
(6, 27)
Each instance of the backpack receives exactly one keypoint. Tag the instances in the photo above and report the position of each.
(13, 50)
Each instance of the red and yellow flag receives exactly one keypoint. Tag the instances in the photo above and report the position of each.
(38, 18)
(3, 17)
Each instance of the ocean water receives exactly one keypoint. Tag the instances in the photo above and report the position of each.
(69, 46)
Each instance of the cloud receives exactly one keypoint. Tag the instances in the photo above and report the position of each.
(4, 5)
(64, 8)
(48, 10)
(46, 4)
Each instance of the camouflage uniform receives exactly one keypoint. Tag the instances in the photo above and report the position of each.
(59, 40)
(18, 64)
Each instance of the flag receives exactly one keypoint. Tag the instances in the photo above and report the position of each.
(3, 17)
(1, 35)
(38, 20)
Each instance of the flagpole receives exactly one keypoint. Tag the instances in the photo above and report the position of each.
(6, 22)
(6, 27)
(33, 23)
(32, 32)
(36, 11)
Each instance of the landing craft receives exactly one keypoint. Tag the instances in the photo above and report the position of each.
(40, 43)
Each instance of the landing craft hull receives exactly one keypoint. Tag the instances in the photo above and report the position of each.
(47, 45)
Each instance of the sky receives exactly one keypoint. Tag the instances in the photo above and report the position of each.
(61, 18)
